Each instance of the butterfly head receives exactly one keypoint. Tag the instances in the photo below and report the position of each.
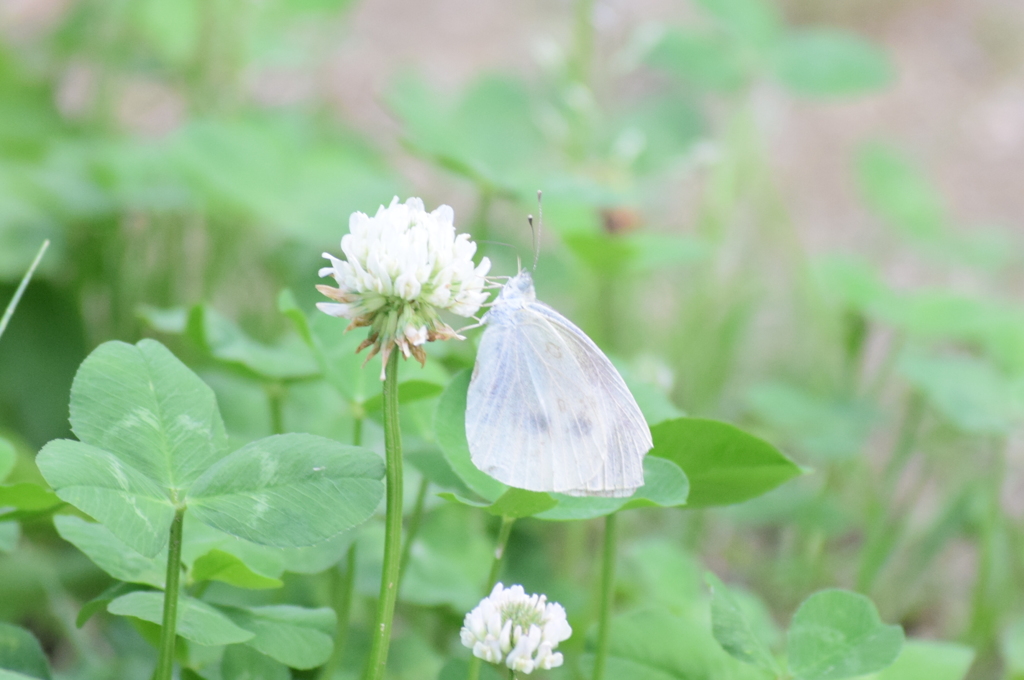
(518, 289)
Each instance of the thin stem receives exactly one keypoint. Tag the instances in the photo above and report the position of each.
(499, 553)
(481, 218)
(499, 550)
(392, 526)
(414, 528)
(357, 432)
(607, 592)
(342, 584)
(275, 399)
(165, 662)
(9, 312)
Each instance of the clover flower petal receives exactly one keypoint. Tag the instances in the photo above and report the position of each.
(516, 630)
(401, 268)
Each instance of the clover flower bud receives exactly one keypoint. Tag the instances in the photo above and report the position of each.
(401, 267)
(517, 630)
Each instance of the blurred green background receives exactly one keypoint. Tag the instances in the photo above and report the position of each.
(800, 216)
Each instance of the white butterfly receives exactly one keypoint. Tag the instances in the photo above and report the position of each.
(546, 410)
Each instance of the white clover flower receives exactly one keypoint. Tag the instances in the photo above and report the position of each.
(515, 629)
(402, 266)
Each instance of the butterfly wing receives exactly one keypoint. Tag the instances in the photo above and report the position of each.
(547, 411)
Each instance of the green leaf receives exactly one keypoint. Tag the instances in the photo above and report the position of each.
(825, 427)
(27, 496)
(228, 343)
(433, 465)
(244, 663)
(723, 463)
(706, 60)
(21, 655)
(733, 630)
(134, 507)
(197, 621)
(289, 490)
(218, 565)
(521, 503)
(450, 427)
(969, 392)
(408, 391)
(653, 644)
(929, 660)
(297, 637)
(110, 553)
(488, 136)
(171, 320)
(755, 22)
(831, 63)
(149, 410)
(148, 428)
(100, 602)
(837, 634)
(8, 456)
(665, 485)
(289, 306)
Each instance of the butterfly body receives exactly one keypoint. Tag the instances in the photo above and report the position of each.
(546, 410)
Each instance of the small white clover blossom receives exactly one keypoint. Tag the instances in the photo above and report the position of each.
(515, 629)
(402, 266)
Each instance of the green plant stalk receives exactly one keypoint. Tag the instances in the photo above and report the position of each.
(275, 399)
(607, 593)
(165, 662)
(9, 312)
(986, 606)
(499, 551)
(392, 525)
(499, 554)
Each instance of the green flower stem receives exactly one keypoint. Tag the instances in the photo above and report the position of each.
(499, 550)
(165, 663)
(9, 312)
(499, 553)
(607, 591)
(414, 527)
(393, 525)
